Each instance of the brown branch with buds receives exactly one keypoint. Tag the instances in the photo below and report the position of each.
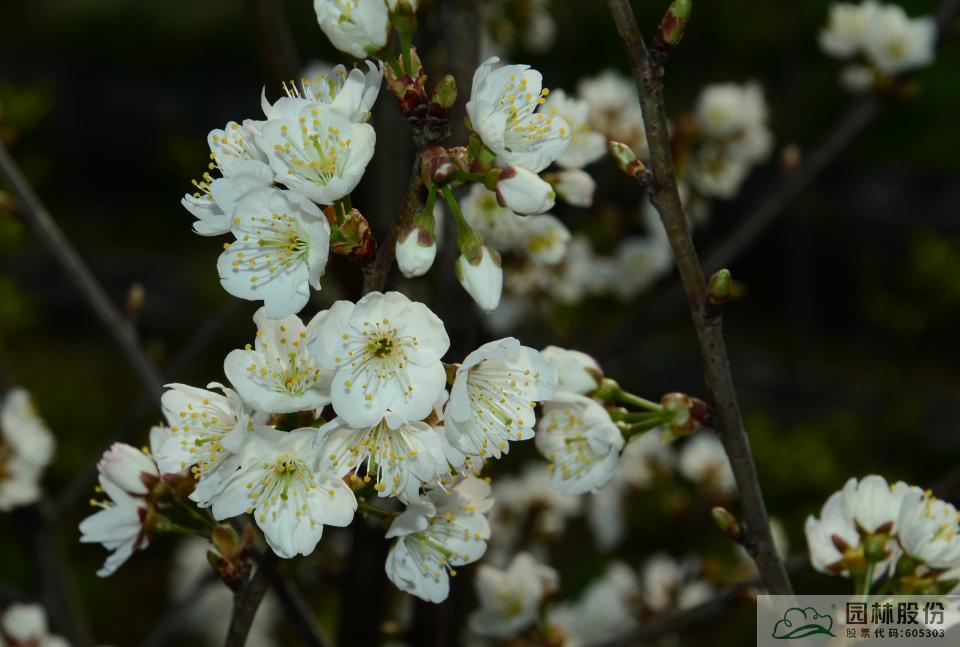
(648, 72)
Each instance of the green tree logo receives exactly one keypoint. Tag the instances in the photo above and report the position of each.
(800, 623)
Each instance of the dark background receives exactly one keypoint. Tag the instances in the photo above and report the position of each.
(843, 345)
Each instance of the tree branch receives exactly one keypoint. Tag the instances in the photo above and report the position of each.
(247, 600)
(858, 117)
(80, 275)
(376, 271)
(682, 618)
(665, 196)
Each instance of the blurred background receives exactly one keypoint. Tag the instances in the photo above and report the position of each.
(843, 340)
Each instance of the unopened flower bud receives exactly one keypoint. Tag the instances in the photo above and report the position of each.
(790, 158)
(726, 522)
(673, 24)
(523, 191)
(136, 296)
(436, 166)
(574, 186)
(445, 94)
(719, 288)
(480, 274)
(687, 414)
(233, 557)
(129, 468)
(627, 161)
(416, 251)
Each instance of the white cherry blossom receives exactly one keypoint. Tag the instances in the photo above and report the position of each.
(500, 227)
(928, 529)
(574, 186)
(357, 27)
(830, 536)
(704, 461)
(895, 43)
(280, 252)
(440, 531)
(26, 448)
(244, 167)
(119, 524)
(25, 625)
(581, 442)
(493, 395)
(384, 352)
(278, 374)
(398, 455)
(206, 427)
(277, 480)
(351, 94)
(874, 505)
(510, 599)
(846, 27)
(586, 144)
(317, 151)
(577, 372)
(503, 111)
(607, 611)
(545, 239)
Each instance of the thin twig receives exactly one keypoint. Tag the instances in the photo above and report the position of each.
(297, 608)
(684, 618)
(861, 113)
(132, 421)
(77, 272)
(247, 599)
(376, 271)
(665, 196)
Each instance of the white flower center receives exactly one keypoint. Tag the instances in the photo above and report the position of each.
(376, 355)
(320, 156)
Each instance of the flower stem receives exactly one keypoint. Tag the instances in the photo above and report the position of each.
(405, 44)
(196, 514)
(467, 238)
(862, 587)
(376, 511)
(177, 529)
(637, 401)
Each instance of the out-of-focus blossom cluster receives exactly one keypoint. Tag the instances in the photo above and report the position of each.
(877, 41)
(26, 448)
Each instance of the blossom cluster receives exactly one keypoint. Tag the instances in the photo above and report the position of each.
(879, 40)
(25, 625)
(26, 448)
(729, 136)
(369, 380)
(514, 599)
(872, 531)
(719, 142)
